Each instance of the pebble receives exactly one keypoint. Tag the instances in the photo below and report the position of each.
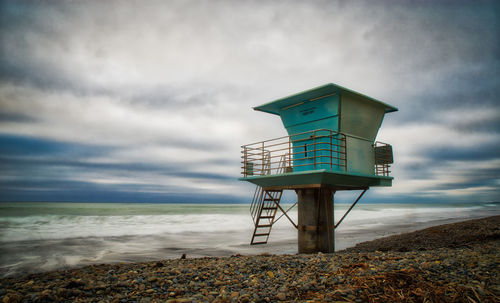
(448, 274)
(281, 296)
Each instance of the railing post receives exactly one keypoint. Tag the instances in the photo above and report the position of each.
(345, 151)
(263, 161)
(314, 151)
(331, 151)
(245, 161)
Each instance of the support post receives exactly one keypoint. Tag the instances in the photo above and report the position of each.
(316, 231)
(347, 212)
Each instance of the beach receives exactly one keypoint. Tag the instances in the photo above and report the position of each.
(40, 237)
(456, 262)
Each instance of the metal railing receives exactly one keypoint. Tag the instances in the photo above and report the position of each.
(258, 195)
(383, 158)
(317, 149)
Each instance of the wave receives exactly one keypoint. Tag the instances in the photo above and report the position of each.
(69, 235)
(63, 227)
(200, 219)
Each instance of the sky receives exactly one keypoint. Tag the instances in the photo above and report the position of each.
(151, 101)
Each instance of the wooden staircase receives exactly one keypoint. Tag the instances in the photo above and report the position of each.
(264, 207)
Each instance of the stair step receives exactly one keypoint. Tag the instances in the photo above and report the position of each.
(264, 207)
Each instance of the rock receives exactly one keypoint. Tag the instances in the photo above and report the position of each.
(74, 284)
(152, 279)
(45, 293)
(281, 296)
(381, 277)
(16, 298)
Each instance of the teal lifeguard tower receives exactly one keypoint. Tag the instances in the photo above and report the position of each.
(330, 147)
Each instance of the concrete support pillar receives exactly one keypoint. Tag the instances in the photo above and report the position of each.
(315, 220)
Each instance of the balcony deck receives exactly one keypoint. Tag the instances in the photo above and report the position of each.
(318, 178)
(315, 159)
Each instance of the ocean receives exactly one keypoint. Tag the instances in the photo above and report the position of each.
(36, 237)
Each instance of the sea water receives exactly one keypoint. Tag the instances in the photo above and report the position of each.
(39, 236)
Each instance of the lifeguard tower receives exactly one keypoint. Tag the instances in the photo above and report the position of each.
(330, 147)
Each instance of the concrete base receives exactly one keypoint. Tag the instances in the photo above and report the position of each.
(315, 220)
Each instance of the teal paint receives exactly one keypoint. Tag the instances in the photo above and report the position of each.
(307, 115)
(320, 112)
(312, 152)
(275, 106)
(331, 108)
(330, 123)
(314, 178)
(314, 119)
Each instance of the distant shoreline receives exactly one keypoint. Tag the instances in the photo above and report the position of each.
(450, 263)
(248, 202)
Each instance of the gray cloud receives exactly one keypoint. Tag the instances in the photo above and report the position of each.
(488, 125)
(16, 117)
(473, 153)
(165, 88)
(476, 178)
(75, 191)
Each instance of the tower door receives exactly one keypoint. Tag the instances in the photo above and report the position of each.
(303, 154)
(316, 150)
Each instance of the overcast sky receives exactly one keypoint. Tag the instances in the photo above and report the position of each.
(150, 101)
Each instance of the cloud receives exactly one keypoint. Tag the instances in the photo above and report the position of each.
(486, 152)
(63, 169)
(15, 117)
(16, 146)
(158, 95)
(55, 190)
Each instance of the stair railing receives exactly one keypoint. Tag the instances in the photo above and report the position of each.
(258, 196)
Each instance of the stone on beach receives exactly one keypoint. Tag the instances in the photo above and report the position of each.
(451, 271)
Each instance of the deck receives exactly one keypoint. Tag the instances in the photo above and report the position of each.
(315, 159)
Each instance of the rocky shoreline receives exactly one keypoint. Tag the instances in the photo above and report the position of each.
(457, 262)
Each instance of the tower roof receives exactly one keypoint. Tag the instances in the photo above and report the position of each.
(274, 107)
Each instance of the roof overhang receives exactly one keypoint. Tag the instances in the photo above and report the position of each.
(274, 107)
